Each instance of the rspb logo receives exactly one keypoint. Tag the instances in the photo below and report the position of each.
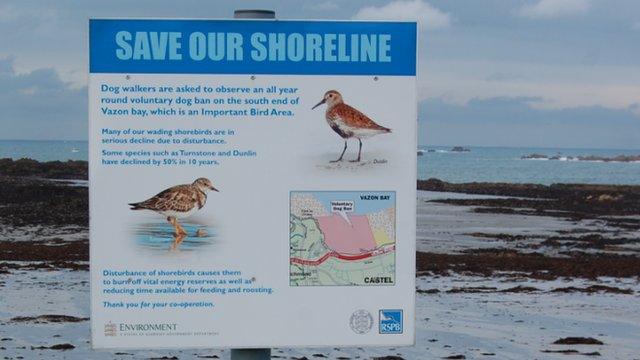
(390, 321)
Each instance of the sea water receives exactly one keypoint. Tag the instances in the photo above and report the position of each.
(504, 164)
(44, 150)
(492, 164)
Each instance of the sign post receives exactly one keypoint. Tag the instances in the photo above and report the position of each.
(252, 354)
(252, 183)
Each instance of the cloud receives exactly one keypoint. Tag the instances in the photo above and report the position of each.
(7, 12)
(42, 19)
(546, 9)
(511, 121)
(636, 26)
(40, 105)
(550, 86)
(427, 16)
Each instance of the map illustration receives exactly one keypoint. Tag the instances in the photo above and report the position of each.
(342, 238)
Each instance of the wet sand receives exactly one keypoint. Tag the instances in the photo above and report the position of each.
(558, 230)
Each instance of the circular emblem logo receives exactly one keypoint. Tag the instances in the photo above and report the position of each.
(361, 321)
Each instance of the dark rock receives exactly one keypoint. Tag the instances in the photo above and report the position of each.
(65, 346)
(460, 149)
(427, 291)
(62, 347)
(566, 351)
(501, 236)
(594, 289)
(560, 200)
(534, 156)
(618, 158)
(71, 169)
(578, 341)
(520, 289)
(43, 319)
(41, 202)
(488, 262)
(472, 289)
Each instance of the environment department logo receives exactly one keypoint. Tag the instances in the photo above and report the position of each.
(110, 329)
(361, 321)
(390, 321)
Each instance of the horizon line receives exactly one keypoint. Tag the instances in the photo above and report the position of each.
(419, 145)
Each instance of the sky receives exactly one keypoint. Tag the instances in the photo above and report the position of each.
(543, 73)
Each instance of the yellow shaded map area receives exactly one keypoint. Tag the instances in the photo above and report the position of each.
(381, 237)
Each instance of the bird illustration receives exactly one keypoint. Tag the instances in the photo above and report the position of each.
(348, 122)
(179, 201)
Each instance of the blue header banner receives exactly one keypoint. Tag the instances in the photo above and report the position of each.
(252, 47)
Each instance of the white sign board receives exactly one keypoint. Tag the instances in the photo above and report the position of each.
(252, 183)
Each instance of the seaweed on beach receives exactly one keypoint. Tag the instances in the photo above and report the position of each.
(72, 251)
(70, 169)
(578, 341)
(569, 200)
(495, 262)
(49, 318)
(39, 202)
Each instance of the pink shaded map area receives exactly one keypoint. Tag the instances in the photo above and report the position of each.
(341, 237)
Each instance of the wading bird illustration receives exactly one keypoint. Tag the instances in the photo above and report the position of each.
(348, 122)
(177, 202)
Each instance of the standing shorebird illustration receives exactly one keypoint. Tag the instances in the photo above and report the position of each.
(348, 122)
(179, 201)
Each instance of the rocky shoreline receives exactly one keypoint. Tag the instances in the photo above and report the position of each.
(71, 169)
(567, 200)
(43, 222)
(31, 201)
(508, 263)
